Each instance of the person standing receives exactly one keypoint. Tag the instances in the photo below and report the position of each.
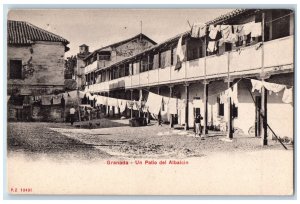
(198, 125)
(72, 114)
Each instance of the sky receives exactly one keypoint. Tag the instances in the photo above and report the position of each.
(100, 27)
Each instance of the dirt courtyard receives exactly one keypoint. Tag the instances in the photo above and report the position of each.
(115, 138)
(79, 156)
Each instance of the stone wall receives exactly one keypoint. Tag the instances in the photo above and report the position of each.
(43, 68)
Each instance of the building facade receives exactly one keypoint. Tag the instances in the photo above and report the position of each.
(88, 62)
(205, 73)
(35, 67)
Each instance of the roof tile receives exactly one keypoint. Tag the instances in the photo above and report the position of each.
(24, 33)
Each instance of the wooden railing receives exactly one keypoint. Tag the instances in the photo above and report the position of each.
(276, 53)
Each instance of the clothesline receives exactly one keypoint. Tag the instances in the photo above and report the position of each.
(279, 18)
(271, 82)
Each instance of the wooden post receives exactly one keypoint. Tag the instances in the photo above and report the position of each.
(131, 97)
(264, 120)
(186, 126)
(78, 98)
(140, 97)
(171, 115)
(159, 113)
(107, 106)
(229, 122)
(257, 116)
(205, 100)
(119, 110)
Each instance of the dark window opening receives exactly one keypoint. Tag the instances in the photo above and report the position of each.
(220, 108)
(15, 69)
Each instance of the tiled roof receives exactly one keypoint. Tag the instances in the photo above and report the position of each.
(23, 33)
(230, 15)
(219, 19)
(121, 42)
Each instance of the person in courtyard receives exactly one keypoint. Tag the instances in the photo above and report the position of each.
(198, 119)
(159, 119)
(72, 114)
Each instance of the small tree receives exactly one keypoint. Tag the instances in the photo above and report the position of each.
(70, 67)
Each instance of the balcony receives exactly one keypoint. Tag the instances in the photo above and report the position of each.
(274, 53)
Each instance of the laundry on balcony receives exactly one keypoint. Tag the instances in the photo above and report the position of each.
(227, 35)
(198, 30)
(154, 103)
(179, 54)
(256, 30)
(212, 46)
(213, 31)
(288, 95)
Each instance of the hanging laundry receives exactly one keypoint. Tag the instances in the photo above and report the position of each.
(73, 94)
(202, 31)
(227, 35)
(248, 28)
(239, 30)
(46, 99)
(197, 103)
(135, 105)
(233, 94)
(130, 104)
(81, 94)
(256, 30)
(195, 30)
(112, 102)
(65, 95)
(98, 100)
(57, 99)
(288, 95)
(88, 95)
(212, 46)
(92, 97)
(256, 85)
(181, 104)
(122, 105)
(213, 31)
(104, 100)
(154, 103)
(172, 105)
(272, 87)
(179, 50)
(223, 97)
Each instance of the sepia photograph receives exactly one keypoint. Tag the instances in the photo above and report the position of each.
(150, 101)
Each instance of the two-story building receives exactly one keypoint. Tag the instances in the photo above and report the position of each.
(35, 68)
(211, 66)
(103, 57)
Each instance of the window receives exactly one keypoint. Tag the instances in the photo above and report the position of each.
(234, 111)
(220, 108)
(15, 69)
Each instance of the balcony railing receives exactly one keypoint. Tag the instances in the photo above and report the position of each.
(273, 53)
